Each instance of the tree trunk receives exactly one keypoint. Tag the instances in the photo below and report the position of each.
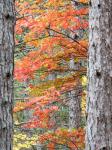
(75, 101)
(99, 98)
(39, 146)
(6, 72)
(75, 108)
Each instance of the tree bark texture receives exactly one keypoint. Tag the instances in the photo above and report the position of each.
(99, 98)
(7, 21)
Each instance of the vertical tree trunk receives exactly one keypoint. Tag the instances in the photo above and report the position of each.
(99, 99)
(51, 76)
(6, 72)
(74, 101)
(39, 146)
(75, 108)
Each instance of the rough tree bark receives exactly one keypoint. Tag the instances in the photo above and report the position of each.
(7, 21)
(99, 98)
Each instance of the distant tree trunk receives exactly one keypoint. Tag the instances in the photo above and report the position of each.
(7, 21)
(51, 76)
(75, 108)
(39, 146)
(74, 101)
(99, 98)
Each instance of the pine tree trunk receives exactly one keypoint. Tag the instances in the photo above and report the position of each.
(6, 72)
(99, 98)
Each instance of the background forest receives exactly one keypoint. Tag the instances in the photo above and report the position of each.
(50, 74)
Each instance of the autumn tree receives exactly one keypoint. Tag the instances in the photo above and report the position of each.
(7, 21)
(46, 41)
(99, 98)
